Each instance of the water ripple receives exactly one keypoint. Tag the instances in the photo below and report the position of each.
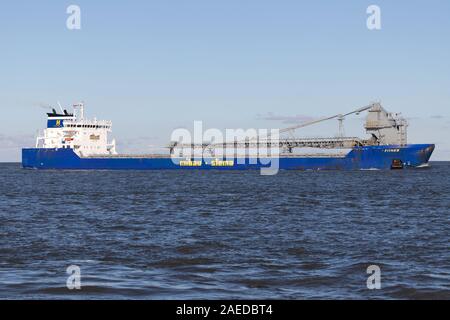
(233, 235)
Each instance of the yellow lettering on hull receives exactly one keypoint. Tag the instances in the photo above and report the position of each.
(222, 163)
(190, 163)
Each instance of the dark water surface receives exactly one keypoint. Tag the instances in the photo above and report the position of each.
(205, 235)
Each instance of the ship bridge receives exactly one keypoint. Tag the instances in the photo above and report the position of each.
(71, 130)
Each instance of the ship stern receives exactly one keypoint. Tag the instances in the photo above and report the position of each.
(30, 158)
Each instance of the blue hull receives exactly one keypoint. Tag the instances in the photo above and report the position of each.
(369, 157)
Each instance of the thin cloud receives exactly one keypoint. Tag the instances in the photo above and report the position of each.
(139, 145)
(43, 105)
(285, 119)
(11, 146)
(16, 141)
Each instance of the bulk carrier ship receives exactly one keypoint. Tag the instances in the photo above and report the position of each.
(72, 142)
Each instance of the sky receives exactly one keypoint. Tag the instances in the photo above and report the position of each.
(153, 66)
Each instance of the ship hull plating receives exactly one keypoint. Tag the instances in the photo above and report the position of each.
(359, 158)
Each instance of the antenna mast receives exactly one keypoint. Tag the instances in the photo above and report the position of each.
(80, 106)
(60, 108)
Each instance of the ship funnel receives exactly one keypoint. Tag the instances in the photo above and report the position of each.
(56, 120)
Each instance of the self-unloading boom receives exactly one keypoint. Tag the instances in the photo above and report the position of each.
(383, 127)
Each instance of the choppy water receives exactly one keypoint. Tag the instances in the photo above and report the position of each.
(206, 235)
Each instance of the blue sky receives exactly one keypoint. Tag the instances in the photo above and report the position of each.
(152, 66)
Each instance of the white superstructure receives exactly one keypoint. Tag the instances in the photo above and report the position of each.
(85, 137)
